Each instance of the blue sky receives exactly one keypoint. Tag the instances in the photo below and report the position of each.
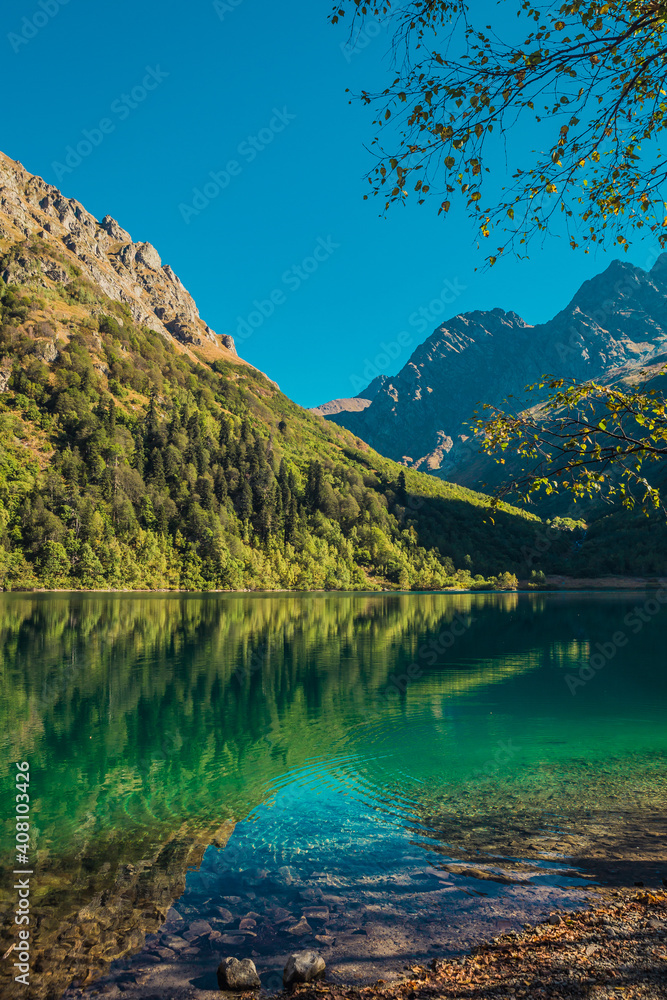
(319, 290)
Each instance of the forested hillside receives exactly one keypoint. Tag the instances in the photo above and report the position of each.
(127, 461)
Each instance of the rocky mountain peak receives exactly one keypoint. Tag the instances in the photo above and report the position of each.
(372, 389)
(126, 271)
(422, 415)
(659, 269)
(115, 231)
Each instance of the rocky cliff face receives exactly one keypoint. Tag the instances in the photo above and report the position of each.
(421, 415)
(104, 252)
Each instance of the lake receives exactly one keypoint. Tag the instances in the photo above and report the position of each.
(386, 777)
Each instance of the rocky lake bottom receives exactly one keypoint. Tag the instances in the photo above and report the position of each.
(374, 891)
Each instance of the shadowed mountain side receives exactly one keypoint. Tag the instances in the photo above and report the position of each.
(467, 465)
(617, 541)
(354, 405)
(420, 414)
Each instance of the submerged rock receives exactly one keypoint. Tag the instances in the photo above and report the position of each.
(196, 929)
(301, 927)
(238, 975)
(303, 967)
(284, 875)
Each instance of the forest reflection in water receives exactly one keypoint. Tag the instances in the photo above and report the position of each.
(153, 724)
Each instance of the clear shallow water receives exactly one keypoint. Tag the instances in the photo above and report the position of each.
(190, 750)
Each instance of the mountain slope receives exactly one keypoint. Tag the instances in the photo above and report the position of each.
(420, 416)
(138, 451)
(351, 404)
(127, 272)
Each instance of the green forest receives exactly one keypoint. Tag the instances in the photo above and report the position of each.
(129, 463)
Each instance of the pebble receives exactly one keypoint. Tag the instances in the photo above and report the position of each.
(232, 939)
(177, 943)
(314, 895)
(173, 918)
(300, 928)
(165, 953)
(196, 929)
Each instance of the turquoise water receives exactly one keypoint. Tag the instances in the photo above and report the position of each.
(421, 770)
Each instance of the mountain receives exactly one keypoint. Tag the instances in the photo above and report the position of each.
(421, 416)
(354, 404)
(138, 451)
(472, 467)
(127, 272)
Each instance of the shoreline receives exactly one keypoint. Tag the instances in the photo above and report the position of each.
(615, 947)
(506, 941)
(552, 585)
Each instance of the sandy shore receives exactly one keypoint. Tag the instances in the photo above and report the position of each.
(617, 948)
